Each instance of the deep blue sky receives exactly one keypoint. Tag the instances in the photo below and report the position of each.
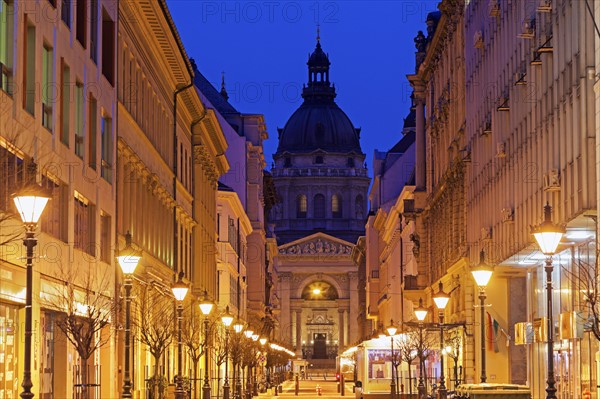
(263, 48)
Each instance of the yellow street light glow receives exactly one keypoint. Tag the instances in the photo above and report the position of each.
(316, 291)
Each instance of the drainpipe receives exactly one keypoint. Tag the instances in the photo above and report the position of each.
(194, 123)
(175, 227)
(401, 272)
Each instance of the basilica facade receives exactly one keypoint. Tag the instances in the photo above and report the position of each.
(321, 182)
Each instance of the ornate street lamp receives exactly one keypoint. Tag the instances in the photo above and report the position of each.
(391, 330)
(226, 319)
(206, 307)
(548, 235)
(128, 259)
(482, 274)
(180, 290)
(30, 203)
(441, 300)
(238, 327)
(421, 314)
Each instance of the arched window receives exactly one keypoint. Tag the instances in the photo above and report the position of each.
(319, 159)
(336, 206)
(319, 206)
(359, 207)
(301, 205)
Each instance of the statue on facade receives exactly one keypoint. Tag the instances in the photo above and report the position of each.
(420, 42)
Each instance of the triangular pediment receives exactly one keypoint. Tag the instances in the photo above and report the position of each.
(318, 244)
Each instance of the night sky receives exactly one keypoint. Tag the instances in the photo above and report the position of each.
(263, 47)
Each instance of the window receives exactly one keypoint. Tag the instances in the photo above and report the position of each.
(359, 207)
(54, 218)
(94, 30)
(48, 87)
(105, 238)
(319, 206)
(107, 148)
(29, 66)
(6, 45)
(287, 162)
(11, 177)
(79, 133)
(65, 12)
(301, 206)
(81, 21)
(83, 217)
(318, 159)
(108, 47)
(233, 291)
(65, 106)
(350, 162)
(92, 124)
(336, 206)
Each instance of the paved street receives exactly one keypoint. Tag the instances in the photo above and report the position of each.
(308, 389)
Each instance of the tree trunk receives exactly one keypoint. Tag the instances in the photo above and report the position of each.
(156, 393)
(196, 361)
(84, 393)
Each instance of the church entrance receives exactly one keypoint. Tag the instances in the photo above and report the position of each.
(320, 346)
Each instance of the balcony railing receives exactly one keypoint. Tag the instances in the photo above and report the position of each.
(320, 172)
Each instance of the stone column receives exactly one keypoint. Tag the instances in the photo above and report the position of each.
(293, 327)
(353, 315)
(299, 332)
(346, 328)
(341, 330)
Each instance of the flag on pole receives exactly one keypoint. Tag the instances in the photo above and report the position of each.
(492, 329)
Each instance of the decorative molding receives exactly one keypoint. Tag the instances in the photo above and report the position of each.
(203, 157)
(317, 247)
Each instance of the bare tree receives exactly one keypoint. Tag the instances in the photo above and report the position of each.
(192, 337)
(87, 312)
(219, 346)
(155, 319)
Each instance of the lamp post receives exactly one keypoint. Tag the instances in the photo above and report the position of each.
(482, 274)
(128, 260)
(248, 390)
(206, 307)
(30, 203)
(238, 327)
(255, 385)
(263, 340)
(421, 314)
(441, 300)
(548, 235)
(391, 330)
(227, 319)
(180, 290)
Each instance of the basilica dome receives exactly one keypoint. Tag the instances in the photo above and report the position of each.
(319, 123)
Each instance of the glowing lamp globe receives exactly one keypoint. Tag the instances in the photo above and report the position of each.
(249, 333)
(206, 305)
(254, 337)
(128, 257)
(482, 272)
(180, 289)
(262, 340)
(238, 326)
(391, 329)
(441, 298)
(421, 312)
(30, 202)
(227, 318)
(548, 234)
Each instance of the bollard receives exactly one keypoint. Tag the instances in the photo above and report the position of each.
(297, 386)
(342, 385)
